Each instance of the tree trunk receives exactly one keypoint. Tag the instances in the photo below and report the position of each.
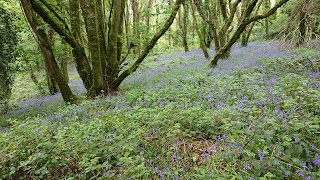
(48, 53)
(148, 15)
(5, 90)
(202, 44)
(136, 24)
(112, 57)
(64, 67)
(127, 24)
(185, 26)
(91, 15)
(82, 62)
(302, 28)
(120, 31)
(52, 84)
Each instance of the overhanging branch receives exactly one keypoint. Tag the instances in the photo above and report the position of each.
(58, 27)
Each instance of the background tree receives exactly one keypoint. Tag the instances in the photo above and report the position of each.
(303, 22)
(222, 42)
(8, 43)
(196, 26)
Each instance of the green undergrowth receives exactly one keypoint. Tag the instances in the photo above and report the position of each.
(259, 122)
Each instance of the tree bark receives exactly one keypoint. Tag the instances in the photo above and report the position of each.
(90, 14)
(48, 53)
(51, 82)
(136, 24)
(5, 90)
(185, 26)
(202, 44)
(112, 57)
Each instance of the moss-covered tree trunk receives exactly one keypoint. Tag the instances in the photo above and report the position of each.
(91, 18)
(185, 26)
(81, 60)
(136, 24)
(5, 90)
(46, 49)
(51, 82)
(112, 48)
(201, 40)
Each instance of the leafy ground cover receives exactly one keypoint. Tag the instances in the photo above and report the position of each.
(255, 116)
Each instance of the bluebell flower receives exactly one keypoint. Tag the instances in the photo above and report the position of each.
(317, 161)
(307, 178)
(300, 174)
(261, 155)
(240, 149)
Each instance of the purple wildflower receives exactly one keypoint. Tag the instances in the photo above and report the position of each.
(312, 146)
(224, 136)
(303, 165)
(246, 166)
(240, 149)
(317, 161)
(175, 153)
(182, 168)
(204, 155)
(261, 155)
(307, 178)
(300, 174)
(235, 163)
(286, 174)
(161, 175)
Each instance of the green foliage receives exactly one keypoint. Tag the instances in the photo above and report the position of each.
(8, 41)
(181, 120)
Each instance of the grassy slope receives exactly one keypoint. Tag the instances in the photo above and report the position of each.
(254, 116)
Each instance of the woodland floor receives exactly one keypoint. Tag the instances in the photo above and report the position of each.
(256, 115)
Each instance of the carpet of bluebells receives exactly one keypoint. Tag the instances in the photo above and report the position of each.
(255, 116)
